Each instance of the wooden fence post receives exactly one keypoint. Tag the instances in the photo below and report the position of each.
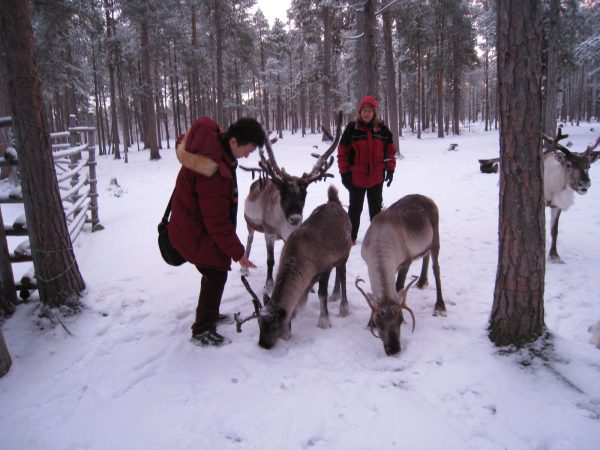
(96, 226)
(5, 361)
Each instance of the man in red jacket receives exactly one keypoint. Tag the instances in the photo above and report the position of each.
(366, 158)
(204, 210)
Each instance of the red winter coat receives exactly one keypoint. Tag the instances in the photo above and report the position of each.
(362, 152)
(202, 223)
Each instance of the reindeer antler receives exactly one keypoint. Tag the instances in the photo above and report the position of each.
(592, 147)
(402, 303)
(553, 143)
(374, 308)
(321, 167)
(255, 302)
(270, 165)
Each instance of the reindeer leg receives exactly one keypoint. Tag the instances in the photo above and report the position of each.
(245, 270)
(324, 315)
(554, 216)
(335, 295)
(270, 241)
(402, 271)
(440, 307)
(341, 271)
(423, 277)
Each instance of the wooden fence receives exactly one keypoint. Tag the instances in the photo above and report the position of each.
(74, 154)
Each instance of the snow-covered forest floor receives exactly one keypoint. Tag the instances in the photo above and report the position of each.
(128, 377)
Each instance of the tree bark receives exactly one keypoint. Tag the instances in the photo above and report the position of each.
(219, 43)
(391, 78)
(112, 59)
(5, 361)
(327, 15)
(366, 52)
(151, 140)
(550, 110)
(518, 310)
(57, 274)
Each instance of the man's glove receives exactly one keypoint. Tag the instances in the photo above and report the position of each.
(389, 176)
(347, 180)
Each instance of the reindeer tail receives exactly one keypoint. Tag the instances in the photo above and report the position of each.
(332, 195)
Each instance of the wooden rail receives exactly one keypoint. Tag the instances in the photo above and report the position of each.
(74, 154)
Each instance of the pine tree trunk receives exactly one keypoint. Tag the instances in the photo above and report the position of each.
(148, 98)
(58, 278)
(327, 15)
(5, 361)
(518, 310)
(112, 60)
(219, 43)
(391, 77)
(366, 52)
(550, 112)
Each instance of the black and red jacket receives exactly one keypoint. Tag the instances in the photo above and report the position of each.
(366, 152)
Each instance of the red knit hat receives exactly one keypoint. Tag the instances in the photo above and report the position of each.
(368, 101)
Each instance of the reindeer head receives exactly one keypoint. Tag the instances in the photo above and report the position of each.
(576, 165)
(272, 326)
(386, 317)
(271, 320)
(292, 189)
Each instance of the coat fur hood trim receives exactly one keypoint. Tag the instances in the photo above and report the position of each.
(194, 161)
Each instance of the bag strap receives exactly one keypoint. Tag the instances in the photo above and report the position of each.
(165, 218)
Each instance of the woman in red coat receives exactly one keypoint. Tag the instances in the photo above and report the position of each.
(366, 157)
(204, 210)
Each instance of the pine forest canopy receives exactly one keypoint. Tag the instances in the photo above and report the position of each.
(142, 70)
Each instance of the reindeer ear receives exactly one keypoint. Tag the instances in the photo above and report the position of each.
(595, 156)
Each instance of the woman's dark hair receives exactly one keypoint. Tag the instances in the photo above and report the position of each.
(246, 131)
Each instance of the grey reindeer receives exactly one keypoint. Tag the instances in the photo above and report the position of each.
(407, 230)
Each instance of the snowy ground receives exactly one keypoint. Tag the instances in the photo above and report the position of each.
(129, 378)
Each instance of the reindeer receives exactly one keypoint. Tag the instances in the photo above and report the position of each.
(565, 172)
(407, 230)
(274, 205)
(309, 254)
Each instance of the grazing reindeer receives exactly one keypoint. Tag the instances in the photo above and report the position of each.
(274, 206)
(565, 172)
(309, 254)
(407, 230)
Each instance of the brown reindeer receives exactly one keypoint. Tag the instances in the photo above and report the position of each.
(274, 205)
(407, 230)
(318, 245)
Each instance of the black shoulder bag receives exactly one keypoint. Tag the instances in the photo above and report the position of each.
(168, 252)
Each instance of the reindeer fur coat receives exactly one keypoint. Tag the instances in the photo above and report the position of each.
(204, 208)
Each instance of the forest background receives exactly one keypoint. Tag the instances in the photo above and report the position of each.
(141, 71)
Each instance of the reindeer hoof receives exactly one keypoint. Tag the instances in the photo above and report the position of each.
(244, 271)
(344, 310)
(324, 323)
(422, 283)
(555, 259)
(440, 312)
